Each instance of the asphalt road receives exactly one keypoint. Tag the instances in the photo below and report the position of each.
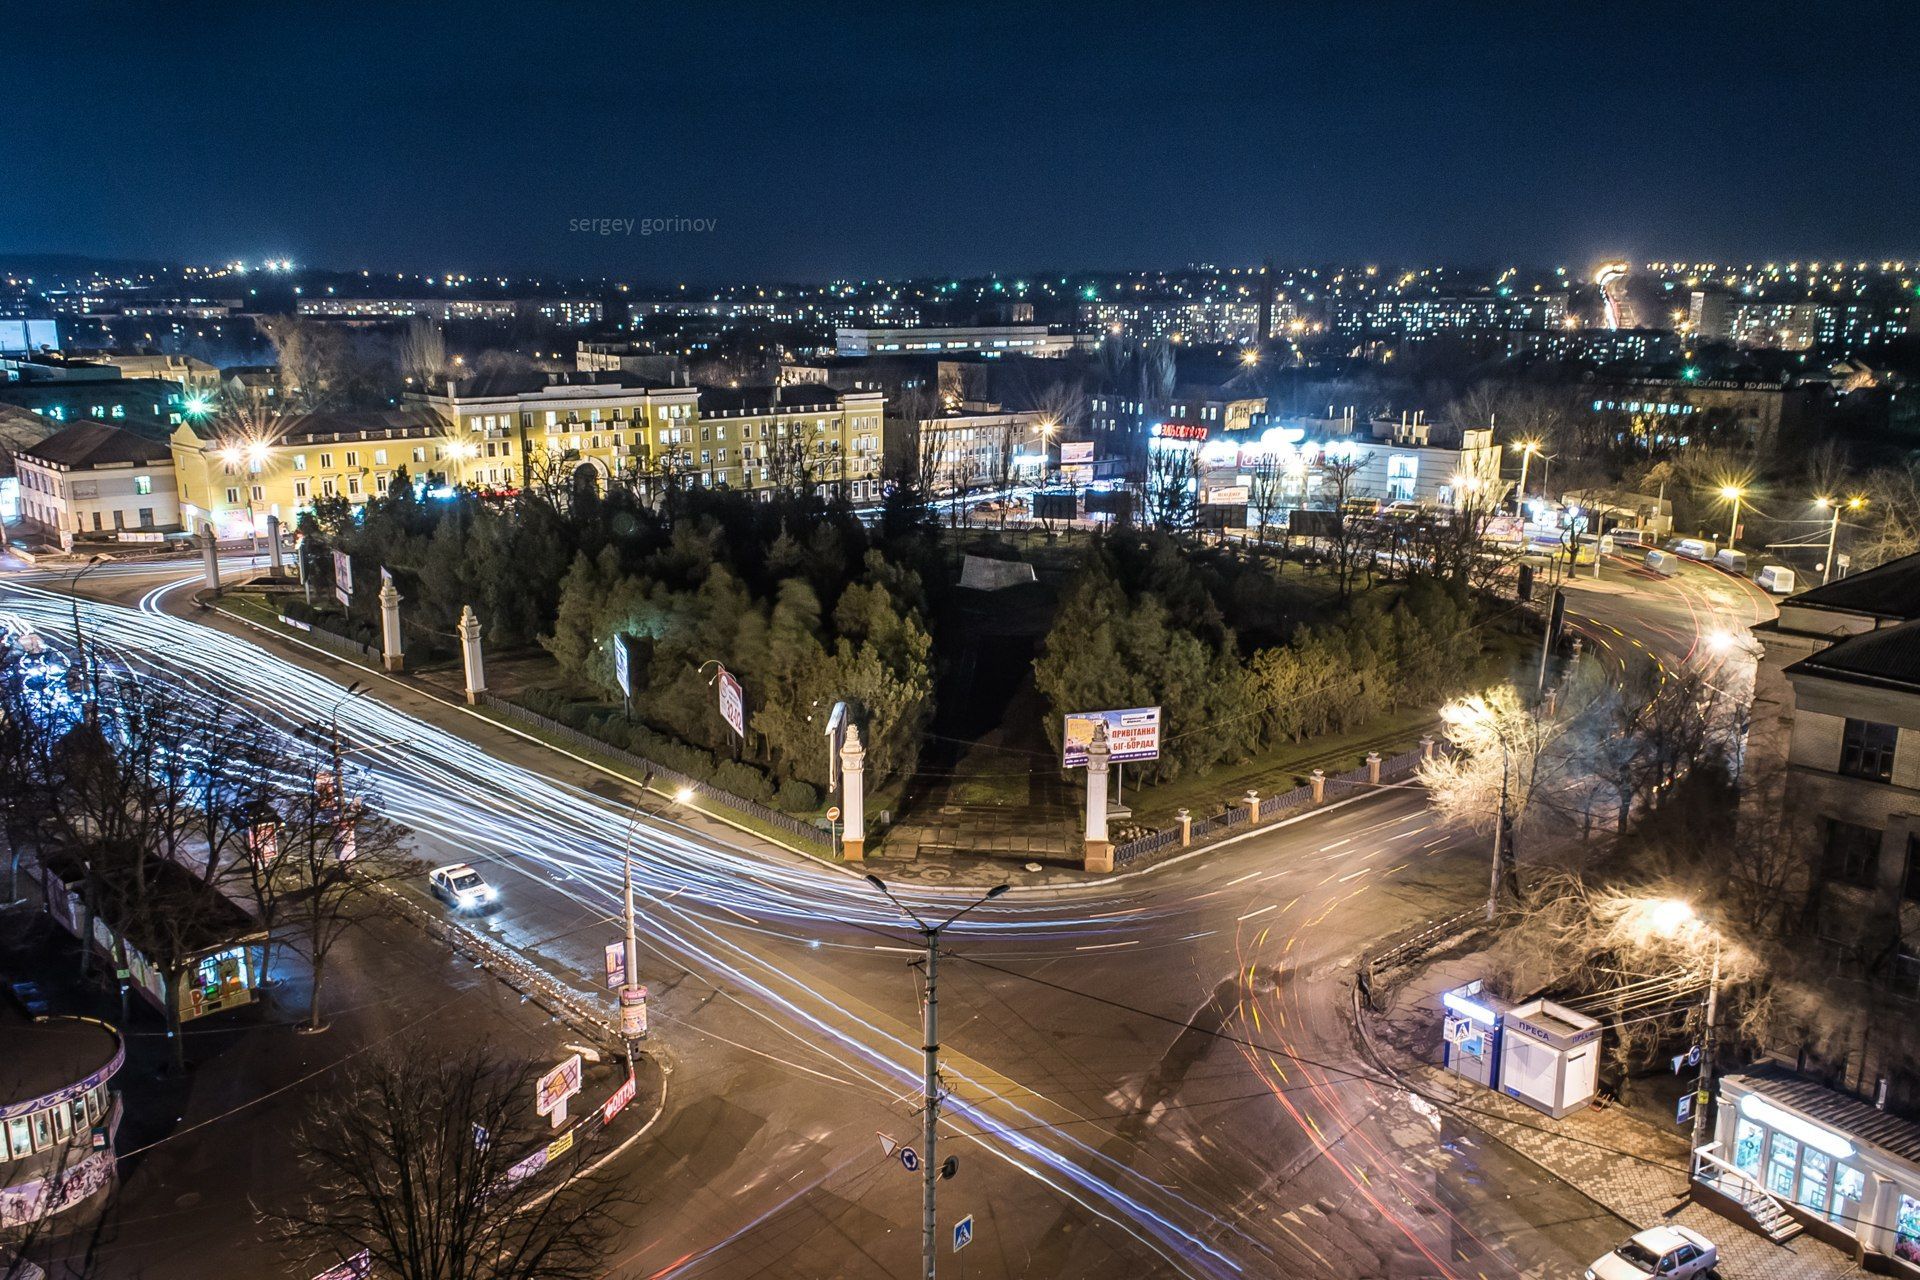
(1155, 1076)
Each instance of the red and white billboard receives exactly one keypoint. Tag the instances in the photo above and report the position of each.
(733, 702)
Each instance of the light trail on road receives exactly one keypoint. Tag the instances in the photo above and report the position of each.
(442, 786)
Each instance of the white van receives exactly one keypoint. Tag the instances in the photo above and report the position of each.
(1732, 561)
(1776, 578)
(1664, 563)
(1693, 549)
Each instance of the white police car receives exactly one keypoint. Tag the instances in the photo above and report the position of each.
(1665, 1253)
(460, 887)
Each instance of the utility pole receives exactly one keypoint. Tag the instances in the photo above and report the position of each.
(1703, 1090)
(633, 996)
(1499, 837)
(930, 1170)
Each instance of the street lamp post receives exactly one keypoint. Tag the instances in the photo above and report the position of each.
(1733, 493)
(1527, 449)
(88, 670)
(1833, 529)
(930, 1074)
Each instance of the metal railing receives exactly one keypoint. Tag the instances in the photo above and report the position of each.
(788, 825)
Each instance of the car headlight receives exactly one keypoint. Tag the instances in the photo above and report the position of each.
(1589, 1273)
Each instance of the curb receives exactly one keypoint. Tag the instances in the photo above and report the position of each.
(811, 860)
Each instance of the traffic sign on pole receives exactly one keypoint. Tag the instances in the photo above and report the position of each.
(888, 1145)
(963, 1233)
(909, 1159)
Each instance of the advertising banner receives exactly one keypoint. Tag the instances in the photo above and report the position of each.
(555, 1087)
(1076, 452)
(733, 702)
(1133, 734)
(342, 578)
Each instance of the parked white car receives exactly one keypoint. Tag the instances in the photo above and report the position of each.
(1666, 1253)
(461, 887)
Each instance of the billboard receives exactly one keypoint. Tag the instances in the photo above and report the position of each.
(1076, 453)
(733, 702)
(555, 1087)
(1133, 734)
(1231, 496)
(342, 578)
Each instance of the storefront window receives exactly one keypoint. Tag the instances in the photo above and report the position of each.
(1906, 1230)
(1848, 1186)
(1748, 1138)
(1781, 1158)
(1815, 1169)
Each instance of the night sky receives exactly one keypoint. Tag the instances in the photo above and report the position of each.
(852, 140)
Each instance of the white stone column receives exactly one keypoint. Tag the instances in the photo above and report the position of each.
(853, 801)
(274, 564)
(1373, 767)
(1319, 783)
(393, 646)
(475, 662)
(210, 557)
(1096, 849)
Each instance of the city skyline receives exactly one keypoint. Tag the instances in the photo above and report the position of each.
(815, 147)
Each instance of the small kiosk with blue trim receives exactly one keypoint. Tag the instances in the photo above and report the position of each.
(1471, 1032)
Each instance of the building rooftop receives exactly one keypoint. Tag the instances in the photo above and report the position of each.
(46, 1055)
(485, 386)
(95, 444)
(1890, 590)
(1832, 1108)
(1887, 658)
(799, 395)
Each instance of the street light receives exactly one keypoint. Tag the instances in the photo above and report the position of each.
(1527, 449)
(1854, 503)
(1733, 493)
(1666, 918)
(930, 1041)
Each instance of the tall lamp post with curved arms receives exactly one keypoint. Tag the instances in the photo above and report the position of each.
(930, 1171)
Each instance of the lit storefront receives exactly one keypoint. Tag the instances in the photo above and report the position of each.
(1847, 1171)
(58, 1117)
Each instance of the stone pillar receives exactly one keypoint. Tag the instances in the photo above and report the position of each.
(1253, 808)
(274, 564)
(1319, 781)
(474, 661)
(392, 645)
(1576, 649)
(210, 558)
(1096, 849)
(853, 802)
(1373, 767)
(1426, 747)
(1185, 819)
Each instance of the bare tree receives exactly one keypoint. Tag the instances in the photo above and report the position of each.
(336, 857)
(1345, 545)
(1171, 498)
(423, 351)
(413, 1165)
(1266, 491)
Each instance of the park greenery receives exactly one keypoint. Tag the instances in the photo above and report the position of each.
(1242, 657)
(808, 606)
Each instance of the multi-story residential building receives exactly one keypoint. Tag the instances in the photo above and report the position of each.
(234, 483)
(91, 478)
(521, 428)
(620, 425)
(73, 390)
(405, 308)
(1455, 315)
(630, 357)
(958, 452)
(991, 340)
(1746, 322)
(1661, 415)
(1206, 321)
(799, 436)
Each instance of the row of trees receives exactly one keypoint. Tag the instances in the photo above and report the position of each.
(1236, 667)
(182, 820)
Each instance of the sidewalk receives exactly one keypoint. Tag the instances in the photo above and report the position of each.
(202, 1152)
(1632, 1167)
